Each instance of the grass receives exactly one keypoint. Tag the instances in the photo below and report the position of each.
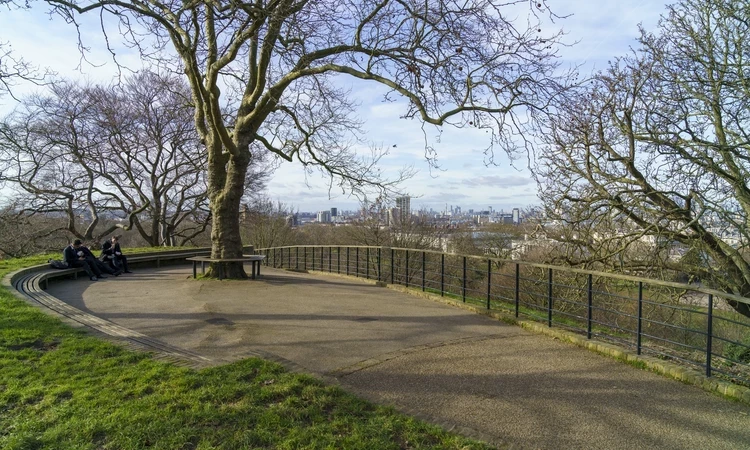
(61, 388)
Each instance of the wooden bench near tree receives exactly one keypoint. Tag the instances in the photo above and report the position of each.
(254, 260)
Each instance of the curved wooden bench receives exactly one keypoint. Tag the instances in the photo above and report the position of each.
(28, 284)
(136, 259)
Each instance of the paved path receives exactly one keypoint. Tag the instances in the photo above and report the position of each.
(488, 379)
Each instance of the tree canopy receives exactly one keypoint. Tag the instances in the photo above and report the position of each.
(126, 155)
(263, 76)
(647, 165)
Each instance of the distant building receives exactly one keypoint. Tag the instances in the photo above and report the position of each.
(292, 220)
(324, 217)
(334, 212)
(404, 204)
(516, 216)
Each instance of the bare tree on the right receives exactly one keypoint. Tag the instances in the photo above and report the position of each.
(646, 168)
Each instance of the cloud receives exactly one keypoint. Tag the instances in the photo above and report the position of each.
(497, 181)
(444, 197)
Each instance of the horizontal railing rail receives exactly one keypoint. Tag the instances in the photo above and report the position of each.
(669, 320)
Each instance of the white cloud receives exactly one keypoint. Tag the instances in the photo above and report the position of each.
(497, 181)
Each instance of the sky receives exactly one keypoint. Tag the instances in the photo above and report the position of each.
(599, 31)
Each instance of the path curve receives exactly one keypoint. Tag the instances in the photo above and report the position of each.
(464, 371)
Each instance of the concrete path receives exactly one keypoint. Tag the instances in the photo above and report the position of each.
(484, 378)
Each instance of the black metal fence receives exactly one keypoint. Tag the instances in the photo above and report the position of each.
(667, 320)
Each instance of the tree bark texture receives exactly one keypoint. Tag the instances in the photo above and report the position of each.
(226, 184)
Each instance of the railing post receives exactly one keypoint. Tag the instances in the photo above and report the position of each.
(296, 258)
(289, 258)
(518, 286)
(305, 262)
(590, 318)
(464, 281)
(549, 297)
(347, 260)
(393, 259)
(380, 276)
(640, 318)
(338, 260)
(330, 256)
(313, 258)
(442, 274)
(367, 263)
(489, 282)
(406, 272)
(424, 259)
(709, 334)
(356, 265)
(322, 258)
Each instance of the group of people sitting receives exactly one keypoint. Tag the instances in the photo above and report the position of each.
(111, 261)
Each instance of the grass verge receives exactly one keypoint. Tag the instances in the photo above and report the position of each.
(61, 388)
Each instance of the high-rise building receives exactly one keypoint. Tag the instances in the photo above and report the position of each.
(516, 216)
(334, 212)
(404, 204)
(324, 216)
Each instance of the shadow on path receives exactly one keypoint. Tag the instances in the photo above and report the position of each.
(451, 366)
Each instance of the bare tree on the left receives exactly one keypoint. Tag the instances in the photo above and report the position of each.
(108, 158)
(14, 69)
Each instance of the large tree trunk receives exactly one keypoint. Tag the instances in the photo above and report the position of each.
(226, 184)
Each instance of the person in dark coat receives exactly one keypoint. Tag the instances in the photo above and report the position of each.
(75, 257)
(112, 253)
(97, 264)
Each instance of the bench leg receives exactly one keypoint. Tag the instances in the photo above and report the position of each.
(195, 269)
(221, 271)
(252, 270)
(203, 268)
(258, 267)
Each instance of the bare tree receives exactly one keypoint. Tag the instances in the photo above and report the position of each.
(265, 223)
(263, 77)
(372, 229)
(377, 229)
(43, 147)
(153, 155)
(650, 162)
(494, 240)
(14, 69)
(24, 233)
(96, 153)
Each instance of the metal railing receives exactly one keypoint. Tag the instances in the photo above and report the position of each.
(668, 320)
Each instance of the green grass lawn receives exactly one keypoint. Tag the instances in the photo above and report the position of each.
(63, 389)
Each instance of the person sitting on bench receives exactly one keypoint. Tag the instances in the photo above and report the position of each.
(74, 256)
(112, 253)
(96, 264)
